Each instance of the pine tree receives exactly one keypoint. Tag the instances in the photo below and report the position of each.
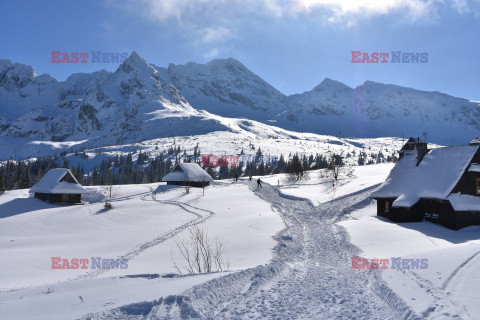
(24, 178)
(2, 187)
(65, 163)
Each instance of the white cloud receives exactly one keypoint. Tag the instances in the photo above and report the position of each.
(333, 11)
(216, 34)
(210, 54)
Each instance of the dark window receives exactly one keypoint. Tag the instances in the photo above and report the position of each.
(387, 206)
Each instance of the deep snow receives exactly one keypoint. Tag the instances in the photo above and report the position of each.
(307, 275)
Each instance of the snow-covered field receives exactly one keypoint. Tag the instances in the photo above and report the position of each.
(320, 186)
(448, 287)
(289, 257)
(142, 227)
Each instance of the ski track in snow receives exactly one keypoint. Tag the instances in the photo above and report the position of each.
(309, 277)
(201, 216)
(443, 307)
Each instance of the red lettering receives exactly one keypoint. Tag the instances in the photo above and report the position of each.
(75, 57)
(375, 57)
(355, 262)
(65, 58)
(374, 264)
(55, 262)
(365, 58)
(55, 55)
(365, 264)
(383, 262)
(75, 264)
(356, 56)
(84, 263)
(234, 161)
(83, 56)
(65, 264)
(384, 56)
(223, 161)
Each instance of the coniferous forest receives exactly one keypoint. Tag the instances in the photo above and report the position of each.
(140, 167)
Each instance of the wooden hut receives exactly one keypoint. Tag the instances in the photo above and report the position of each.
(188, 174)
(58, 185)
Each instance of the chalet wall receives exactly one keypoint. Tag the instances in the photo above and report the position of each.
(465, 219)
(189, 183)
(56, 198)
(413, 214)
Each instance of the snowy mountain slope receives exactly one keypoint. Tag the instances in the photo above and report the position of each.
(228, 88)
(369, 110)
(129, 104)
(375, 109)
(243, 135)
(140, 101)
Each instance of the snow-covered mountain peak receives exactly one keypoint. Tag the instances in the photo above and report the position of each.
(228, 88)
(330, 84)
(15, 75)
(138, 68)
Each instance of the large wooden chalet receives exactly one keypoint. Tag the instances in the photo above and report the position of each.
(441, 184)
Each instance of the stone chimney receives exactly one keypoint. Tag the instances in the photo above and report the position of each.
(422, 150)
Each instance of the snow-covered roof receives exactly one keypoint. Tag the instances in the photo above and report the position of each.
(435, 177)
(475, 141)
(474, 168)
(463, 202)
(191, 172)
(50, 183)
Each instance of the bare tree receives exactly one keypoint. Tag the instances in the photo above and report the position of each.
(110, 191)
(334, 165)
(187, 186)
(200, 253)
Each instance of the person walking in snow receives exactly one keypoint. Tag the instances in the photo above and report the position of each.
(259, 183)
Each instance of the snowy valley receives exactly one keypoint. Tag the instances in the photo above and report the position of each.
(287, 244)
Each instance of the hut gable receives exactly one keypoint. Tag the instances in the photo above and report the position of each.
(435, 177)
(58, 181)
(469, 183)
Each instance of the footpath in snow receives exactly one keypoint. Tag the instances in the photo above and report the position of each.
(309, 277)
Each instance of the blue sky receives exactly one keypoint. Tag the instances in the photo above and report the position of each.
(292, 44)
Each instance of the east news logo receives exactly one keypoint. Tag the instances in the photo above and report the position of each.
(395, 57)
(398, 263)
(82, 263)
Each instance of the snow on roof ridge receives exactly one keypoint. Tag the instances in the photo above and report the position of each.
(191, 172)
(50, 183)
(408, 182)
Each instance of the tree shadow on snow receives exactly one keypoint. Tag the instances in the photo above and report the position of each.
(22, 205)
